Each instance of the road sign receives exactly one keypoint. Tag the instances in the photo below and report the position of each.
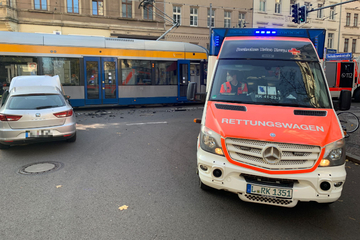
(331, 51)
(339, 56)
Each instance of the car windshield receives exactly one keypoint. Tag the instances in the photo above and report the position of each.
(33, 102)
(286, 83)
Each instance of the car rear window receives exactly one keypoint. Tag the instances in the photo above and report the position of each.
(34, 102)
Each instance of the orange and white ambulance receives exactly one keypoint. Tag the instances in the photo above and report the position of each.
(279, 142)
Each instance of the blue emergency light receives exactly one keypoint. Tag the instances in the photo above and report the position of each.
(317, 36)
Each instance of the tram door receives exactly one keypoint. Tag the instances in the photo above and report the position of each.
(100, 80)
(183, 78)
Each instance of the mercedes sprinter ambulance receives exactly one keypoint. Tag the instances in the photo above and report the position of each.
(269, 131)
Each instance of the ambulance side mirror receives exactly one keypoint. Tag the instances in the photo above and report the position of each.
(191, 91)
(344, 102)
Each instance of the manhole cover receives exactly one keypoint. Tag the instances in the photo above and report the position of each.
(38, 168)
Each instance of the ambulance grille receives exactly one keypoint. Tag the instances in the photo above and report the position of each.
(293, 156)
(261, 199)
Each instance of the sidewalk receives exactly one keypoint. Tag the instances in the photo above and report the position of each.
(353, 147)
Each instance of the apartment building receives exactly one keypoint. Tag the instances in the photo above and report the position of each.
(123, 18)
(108, 18)
(350, 29)
(195, 18)
(277, 14)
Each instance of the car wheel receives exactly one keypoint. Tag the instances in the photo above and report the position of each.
(72, 139)
(3, 146)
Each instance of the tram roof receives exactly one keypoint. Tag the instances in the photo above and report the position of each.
(96, 42)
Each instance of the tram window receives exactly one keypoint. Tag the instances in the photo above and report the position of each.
(12, 66)
(138, 72)
(166, 73)
(68, 69)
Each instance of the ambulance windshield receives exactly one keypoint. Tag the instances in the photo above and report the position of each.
(286, 83)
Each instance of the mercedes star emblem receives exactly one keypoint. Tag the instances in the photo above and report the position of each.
(271, 154)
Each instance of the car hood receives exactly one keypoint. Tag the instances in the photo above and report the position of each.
(274, 123)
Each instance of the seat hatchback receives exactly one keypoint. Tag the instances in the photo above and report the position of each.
(36, 114)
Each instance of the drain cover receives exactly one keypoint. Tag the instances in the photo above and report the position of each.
(38, 168)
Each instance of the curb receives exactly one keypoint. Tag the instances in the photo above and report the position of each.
(353, 158)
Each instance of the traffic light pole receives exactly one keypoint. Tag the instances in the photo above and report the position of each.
(333, 5)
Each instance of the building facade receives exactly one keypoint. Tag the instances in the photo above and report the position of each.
(129, 19)
(350, 29)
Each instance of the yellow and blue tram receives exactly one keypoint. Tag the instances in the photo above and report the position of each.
(101, 71)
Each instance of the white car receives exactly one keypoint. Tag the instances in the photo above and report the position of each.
(35, 114)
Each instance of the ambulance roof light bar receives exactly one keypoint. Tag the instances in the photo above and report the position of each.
(317, 36)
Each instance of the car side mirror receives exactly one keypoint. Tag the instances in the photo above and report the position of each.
(191, 91)
(344, 102)
(67, 97)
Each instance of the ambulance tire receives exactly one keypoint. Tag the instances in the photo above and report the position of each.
(356, 95)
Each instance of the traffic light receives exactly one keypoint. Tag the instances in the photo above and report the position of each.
(302, 14)
(295, 12)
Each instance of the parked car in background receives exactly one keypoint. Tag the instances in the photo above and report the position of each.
(34, 109)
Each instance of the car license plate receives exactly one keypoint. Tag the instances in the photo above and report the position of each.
(38, 133)
(269, 191)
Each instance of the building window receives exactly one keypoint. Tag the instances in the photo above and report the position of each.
(126, 8)
(40, 4)
(193, 17)
(73, 6)
(177, 14)
(320, 12)
(356, 17)
(98, 7)
(353, 49)
(346, 45)
(277, 6)
(227, 19)
(148, 12)
(212, 17)
(348, 15)
(330, 40)
(10, 3)
(241, 19)
(262, 5)
(332, 13)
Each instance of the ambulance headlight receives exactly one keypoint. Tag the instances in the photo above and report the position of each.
(210, 141)
(334, 154)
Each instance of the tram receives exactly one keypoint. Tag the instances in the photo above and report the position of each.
(98, 71)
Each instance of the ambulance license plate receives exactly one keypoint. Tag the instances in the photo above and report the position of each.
(38, 133)
(269, 191)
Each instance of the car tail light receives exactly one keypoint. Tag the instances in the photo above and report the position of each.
(5, 117)
(64, 114)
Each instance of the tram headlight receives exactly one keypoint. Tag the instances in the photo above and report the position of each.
(210, 141)
(334, 154)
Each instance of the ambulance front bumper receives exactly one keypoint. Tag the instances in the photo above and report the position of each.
(324, 185)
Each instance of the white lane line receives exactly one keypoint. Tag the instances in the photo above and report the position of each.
(129, 124)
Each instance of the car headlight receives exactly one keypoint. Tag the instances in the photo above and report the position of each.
(334, 154)
(210, 141)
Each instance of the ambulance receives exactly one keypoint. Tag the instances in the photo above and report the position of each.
(269, 130)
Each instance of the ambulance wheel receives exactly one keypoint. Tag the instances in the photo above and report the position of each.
(357, 95)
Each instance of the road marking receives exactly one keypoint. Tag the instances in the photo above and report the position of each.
(129, 124)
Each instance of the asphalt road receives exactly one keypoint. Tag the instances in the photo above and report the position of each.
(131, 175)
